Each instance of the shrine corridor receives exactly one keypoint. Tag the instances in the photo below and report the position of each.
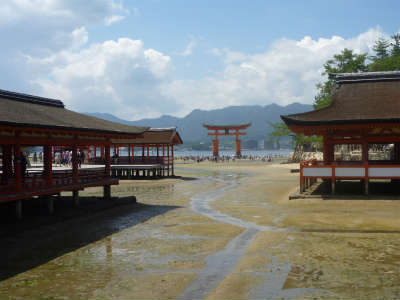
(221, 231)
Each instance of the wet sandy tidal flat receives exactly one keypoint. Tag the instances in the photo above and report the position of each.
(221, 231)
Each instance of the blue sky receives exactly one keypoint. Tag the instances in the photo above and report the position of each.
(138, 59)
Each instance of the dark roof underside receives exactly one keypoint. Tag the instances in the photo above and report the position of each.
(357, 102)
(159, 136)
(37, 112)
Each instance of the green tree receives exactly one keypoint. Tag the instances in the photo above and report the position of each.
(345, 62)
(383, 61)
(299, 141)
(391, 63)
(395, 51)
(381, 49)
(279, 131)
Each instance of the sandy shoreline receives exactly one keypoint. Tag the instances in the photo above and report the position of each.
(166, 248)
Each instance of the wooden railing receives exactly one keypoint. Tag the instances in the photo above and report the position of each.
(137, 160)
(312, 170)
(38, 180)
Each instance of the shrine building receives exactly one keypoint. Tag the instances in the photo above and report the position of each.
(31, 121)
(150, 155)
(360, 130)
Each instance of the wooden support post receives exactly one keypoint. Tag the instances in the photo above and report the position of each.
(366, 180)
(142, 153)
(107, 169)
(215, 145)
(365, 161)
(168, 160)
(7, 163)
(238, 150)
(17, 167)
(129, 153)
(18, 209)
(48, 165)
(301, 179)
(75, 171)
(50, 205)
(333, 181)
(107, 192)
(75, 197)
(163, 162)
(172, 158)
(148, 152)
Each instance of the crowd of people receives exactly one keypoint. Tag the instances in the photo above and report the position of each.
(61, 158)
(227, 158)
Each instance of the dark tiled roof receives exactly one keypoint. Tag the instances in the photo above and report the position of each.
(357, 99)
(30, 111)
(158, 136)
(341, 78)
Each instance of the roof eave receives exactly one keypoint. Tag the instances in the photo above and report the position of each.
(74, 129)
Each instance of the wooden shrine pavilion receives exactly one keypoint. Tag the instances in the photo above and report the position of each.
(364, 117)
(31, 121)
(226, 131)
(152, 154)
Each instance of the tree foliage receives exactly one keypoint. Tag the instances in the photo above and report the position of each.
(345, 62)
(386, 58)
(381, 49)
(280, 130)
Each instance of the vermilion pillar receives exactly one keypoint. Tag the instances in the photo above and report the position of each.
(7, 164)
(168, 159)
(215, 146)
(48, 165)
(17, 167)
(238, 145)
(107, 161)
(172, 153)
(75, 164)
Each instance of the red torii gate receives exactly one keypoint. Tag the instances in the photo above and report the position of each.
(226, 131)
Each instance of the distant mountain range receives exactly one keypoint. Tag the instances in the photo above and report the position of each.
(191, 130)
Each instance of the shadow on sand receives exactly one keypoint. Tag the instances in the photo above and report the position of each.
(39, 239)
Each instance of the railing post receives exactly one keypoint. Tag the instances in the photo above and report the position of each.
(107, 161)
(168, 159)
(301, 179)
(48, 165)
(333, 180)
(75, 172)
(172, 153)
(17, 166)
(366, 180)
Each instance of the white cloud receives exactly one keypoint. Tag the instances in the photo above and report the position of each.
(44, 25)
(190, 47)
(120, 77)
(228, 55)
(286, 72)
(113, 19)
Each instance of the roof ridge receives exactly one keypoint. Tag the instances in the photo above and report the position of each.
(365, 76)
(31, 99)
